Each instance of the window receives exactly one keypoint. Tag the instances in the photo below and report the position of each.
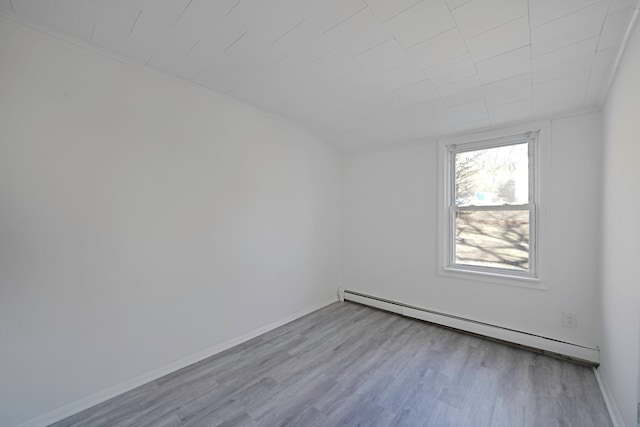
(491, 206)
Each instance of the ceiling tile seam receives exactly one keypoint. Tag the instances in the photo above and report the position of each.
(373, 47)
(233, 7)
(150, 58)
(345, 20)
(468, 52)
(134, 23)
(584, 98)
(442, 62)
(235, 41)
(504, 53)
(606, 15)
(288, 31)
(182, 13)
(529, 20)
(348, 74)
(306, 79)
(571, 13)
(93, 31)
(621, 49)
(594, 57)
(268, 67)
(397, 14)
(11, 4)
(566, 47)
(502, 25)
(457, 7)
(322, 56)
(196, 74)
(455, 27)
(193, 47)
(630, 9)
(447, 60)
(508, 78)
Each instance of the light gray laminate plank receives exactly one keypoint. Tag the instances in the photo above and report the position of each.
(348, 364)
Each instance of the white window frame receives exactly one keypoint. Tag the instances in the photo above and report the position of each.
(539, 133)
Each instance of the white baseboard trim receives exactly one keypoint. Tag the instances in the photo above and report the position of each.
(113, 391)
(574, 351)
(614, 412)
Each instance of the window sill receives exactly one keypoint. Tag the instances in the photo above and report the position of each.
(494, 278)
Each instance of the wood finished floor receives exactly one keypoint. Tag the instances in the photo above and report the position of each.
(350, 365)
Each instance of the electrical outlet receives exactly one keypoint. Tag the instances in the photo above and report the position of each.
(569, 320)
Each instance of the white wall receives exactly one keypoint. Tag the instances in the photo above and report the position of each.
(143, 220)
(390, 237)
(621, 235)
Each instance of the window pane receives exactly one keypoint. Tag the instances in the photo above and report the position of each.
(493, 176)
(497, 239)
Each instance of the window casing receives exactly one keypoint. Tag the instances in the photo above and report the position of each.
(486, 233)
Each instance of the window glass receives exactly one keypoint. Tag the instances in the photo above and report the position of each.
(498, 239)
(492, 176)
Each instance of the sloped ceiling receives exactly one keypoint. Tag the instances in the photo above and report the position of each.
(366, 73)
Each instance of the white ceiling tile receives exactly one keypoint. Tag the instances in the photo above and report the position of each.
(543, 11)
(617, 5)
(464, 97)
(564, 61)
(326, 14)
(421, 22)
(439, 49)
(6, 5)
(600, 76)
(565, 90)
(114, 26)
(578, 26)
(460, 86)
(521, 110)
(385, 9)
(473, 126)
(318, 49)
(384, 57)
(615, 25)
(206, 18)
(506, 65)
(165, 11)
(453, 4)
(451, 71)
(335, 65)
(340, 67)
(304, 40)
(153, 27)
(471, 112)
(479, 16)
(274, 20)
(418, 92)
(502, 39)
(360, 33)
(508, 91)
(552, 110)
(399, 76)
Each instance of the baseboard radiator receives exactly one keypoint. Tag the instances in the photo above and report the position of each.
(578, 353)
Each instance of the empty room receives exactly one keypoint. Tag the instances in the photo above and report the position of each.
(319, 213)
